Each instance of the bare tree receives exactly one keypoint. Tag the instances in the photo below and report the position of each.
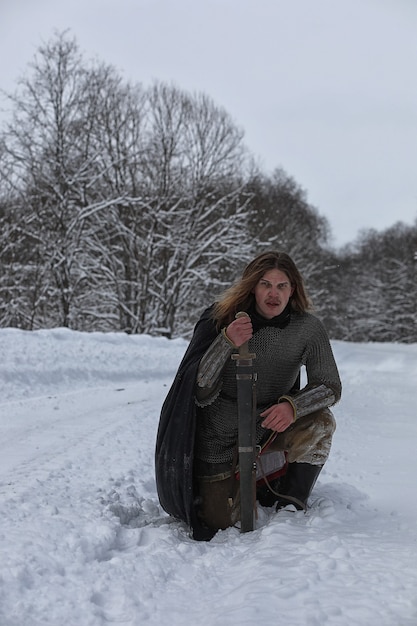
(42, 143)
(130, 209)
(377, 291)
(281, 218)
(199, 219)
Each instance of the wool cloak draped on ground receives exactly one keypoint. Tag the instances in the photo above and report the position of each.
(174, 452)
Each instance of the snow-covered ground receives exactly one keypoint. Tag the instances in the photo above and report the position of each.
(84, 542)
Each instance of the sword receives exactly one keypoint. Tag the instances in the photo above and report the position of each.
(246, 387)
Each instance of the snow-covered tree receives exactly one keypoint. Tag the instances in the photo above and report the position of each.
(132, 200)
(377, 287)
(43, 146)
(131, 208)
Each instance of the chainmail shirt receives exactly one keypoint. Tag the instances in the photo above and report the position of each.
(280, 353)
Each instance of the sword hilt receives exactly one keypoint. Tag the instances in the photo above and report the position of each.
(244, 348)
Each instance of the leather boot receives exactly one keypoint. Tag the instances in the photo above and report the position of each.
(265, 496)
(298, 483)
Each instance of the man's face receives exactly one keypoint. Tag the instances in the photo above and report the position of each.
(272, 293)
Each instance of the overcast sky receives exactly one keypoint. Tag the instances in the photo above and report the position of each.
(325, 89)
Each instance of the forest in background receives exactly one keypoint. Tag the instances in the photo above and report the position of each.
(125, 208)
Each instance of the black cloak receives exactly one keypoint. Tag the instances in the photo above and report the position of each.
(174, 454)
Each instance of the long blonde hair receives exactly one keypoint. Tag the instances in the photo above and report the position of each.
(239, 297)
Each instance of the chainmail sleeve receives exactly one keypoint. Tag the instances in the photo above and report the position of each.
(323, 387)
(310, 399)
(208, 384)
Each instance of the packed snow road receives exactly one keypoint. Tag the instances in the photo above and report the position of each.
(84, 541)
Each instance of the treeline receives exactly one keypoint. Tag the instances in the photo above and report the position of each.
(124, 208)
